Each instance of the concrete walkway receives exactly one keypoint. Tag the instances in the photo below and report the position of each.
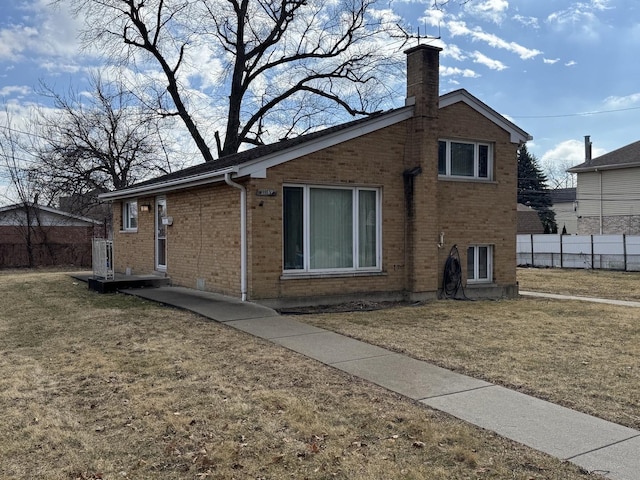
(622, 303)
(596, 445)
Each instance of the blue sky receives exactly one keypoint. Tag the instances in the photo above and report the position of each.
(559, 69)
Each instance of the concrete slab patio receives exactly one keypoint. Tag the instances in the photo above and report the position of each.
(594, 444)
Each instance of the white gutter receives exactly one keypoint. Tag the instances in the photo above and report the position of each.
(162, 187)
(243, 233)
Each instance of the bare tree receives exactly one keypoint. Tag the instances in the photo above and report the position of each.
(557, 175)
(91, 144)
(296, 61)
(22, 189)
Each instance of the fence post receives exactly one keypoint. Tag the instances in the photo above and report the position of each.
(533, 263)
(624, 250)
(561, 253)
(593, 264)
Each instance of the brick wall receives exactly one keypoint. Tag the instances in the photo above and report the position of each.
(481, 212)
(374, 160)
(611, 225)
(51, 245)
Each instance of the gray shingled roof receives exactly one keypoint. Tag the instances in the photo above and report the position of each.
(563, 195)
(251, 154)
(628, 156)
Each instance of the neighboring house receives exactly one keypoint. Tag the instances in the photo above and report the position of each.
(608, 191)
(565, 206)
(528, 220)
(34, 235)
(367, 209)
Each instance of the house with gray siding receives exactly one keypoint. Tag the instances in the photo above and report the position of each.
(608, 192)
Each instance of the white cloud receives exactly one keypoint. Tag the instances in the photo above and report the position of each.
(460, 28)
(570, 63)
(454, 52)
(457, 72)
(527, 21)
(627, 101)
(14, 90)
(569, 152)
(580, 18)
(482, 59)
(44, 31)
(551, 61)
(492, 10)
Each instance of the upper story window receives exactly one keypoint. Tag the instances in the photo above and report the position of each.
(130, 215)
(465, 159)
(331, 229)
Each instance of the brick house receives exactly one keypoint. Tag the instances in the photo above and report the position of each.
(35, 235)
(366, 209)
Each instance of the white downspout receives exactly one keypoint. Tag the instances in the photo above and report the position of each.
(243, 234)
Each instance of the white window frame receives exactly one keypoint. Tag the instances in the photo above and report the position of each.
(355, 268)
(476, 265)
(128, 207)
(476, 158)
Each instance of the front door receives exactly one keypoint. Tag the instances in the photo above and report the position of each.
(161, 234)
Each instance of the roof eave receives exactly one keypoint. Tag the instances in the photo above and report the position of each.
(257, 167)
(170, 185)
(596, 168)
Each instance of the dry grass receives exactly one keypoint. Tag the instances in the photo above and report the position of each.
(582, 355)
(591, 283)
(108, 386)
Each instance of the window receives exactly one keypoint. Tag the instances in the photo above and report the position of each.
(331, 229)
(130, 215)
(465, 159)
(479, 264)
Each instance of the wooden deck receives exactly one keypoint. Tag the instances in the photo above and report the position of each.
(122, 281)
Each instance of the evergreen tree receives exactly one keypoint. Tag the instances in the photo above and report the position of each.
(533, 191)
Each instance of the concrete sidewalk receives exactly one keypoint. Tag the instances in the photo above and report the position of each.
(596, 445)
(622, 303)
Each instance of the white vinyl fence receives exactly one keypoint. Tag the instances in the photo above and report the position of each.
(608, 252)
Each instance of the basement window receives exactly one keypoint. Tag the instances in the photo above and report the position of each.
(130, 216)
(479, 264)
(465, 159)
(331, 229)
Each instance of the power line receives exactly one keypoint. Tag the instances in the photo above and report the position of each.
(582, 114)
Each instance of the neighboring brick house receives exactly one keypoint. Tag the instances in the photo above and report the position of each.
(608, 191)
(367, 209)
(34, 235)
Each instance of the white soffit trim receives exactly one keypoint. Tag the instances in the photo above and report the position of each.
(177, 184)
(258, 167)
(517, 134)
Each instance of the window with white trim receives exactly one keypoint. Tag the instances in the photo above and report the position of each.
(480, 264)
(465, 159)
(130, 215)
(331, 229)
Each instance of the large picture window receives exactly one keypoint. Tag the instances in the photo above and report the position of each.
(465, 159)
(331, 229)
(130, 215)
(479, 264)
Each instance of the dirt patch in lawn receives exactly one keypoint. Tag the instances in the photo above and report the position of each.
(108, 386)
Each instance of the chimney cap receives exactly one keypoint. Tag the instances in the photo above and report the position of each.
(422, 47)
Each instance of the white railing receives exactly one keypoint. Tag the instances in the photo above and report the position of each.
(102, 258)
(607, 252)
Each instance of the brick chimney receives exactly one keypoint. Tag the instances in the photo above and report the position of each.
(423, 79)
